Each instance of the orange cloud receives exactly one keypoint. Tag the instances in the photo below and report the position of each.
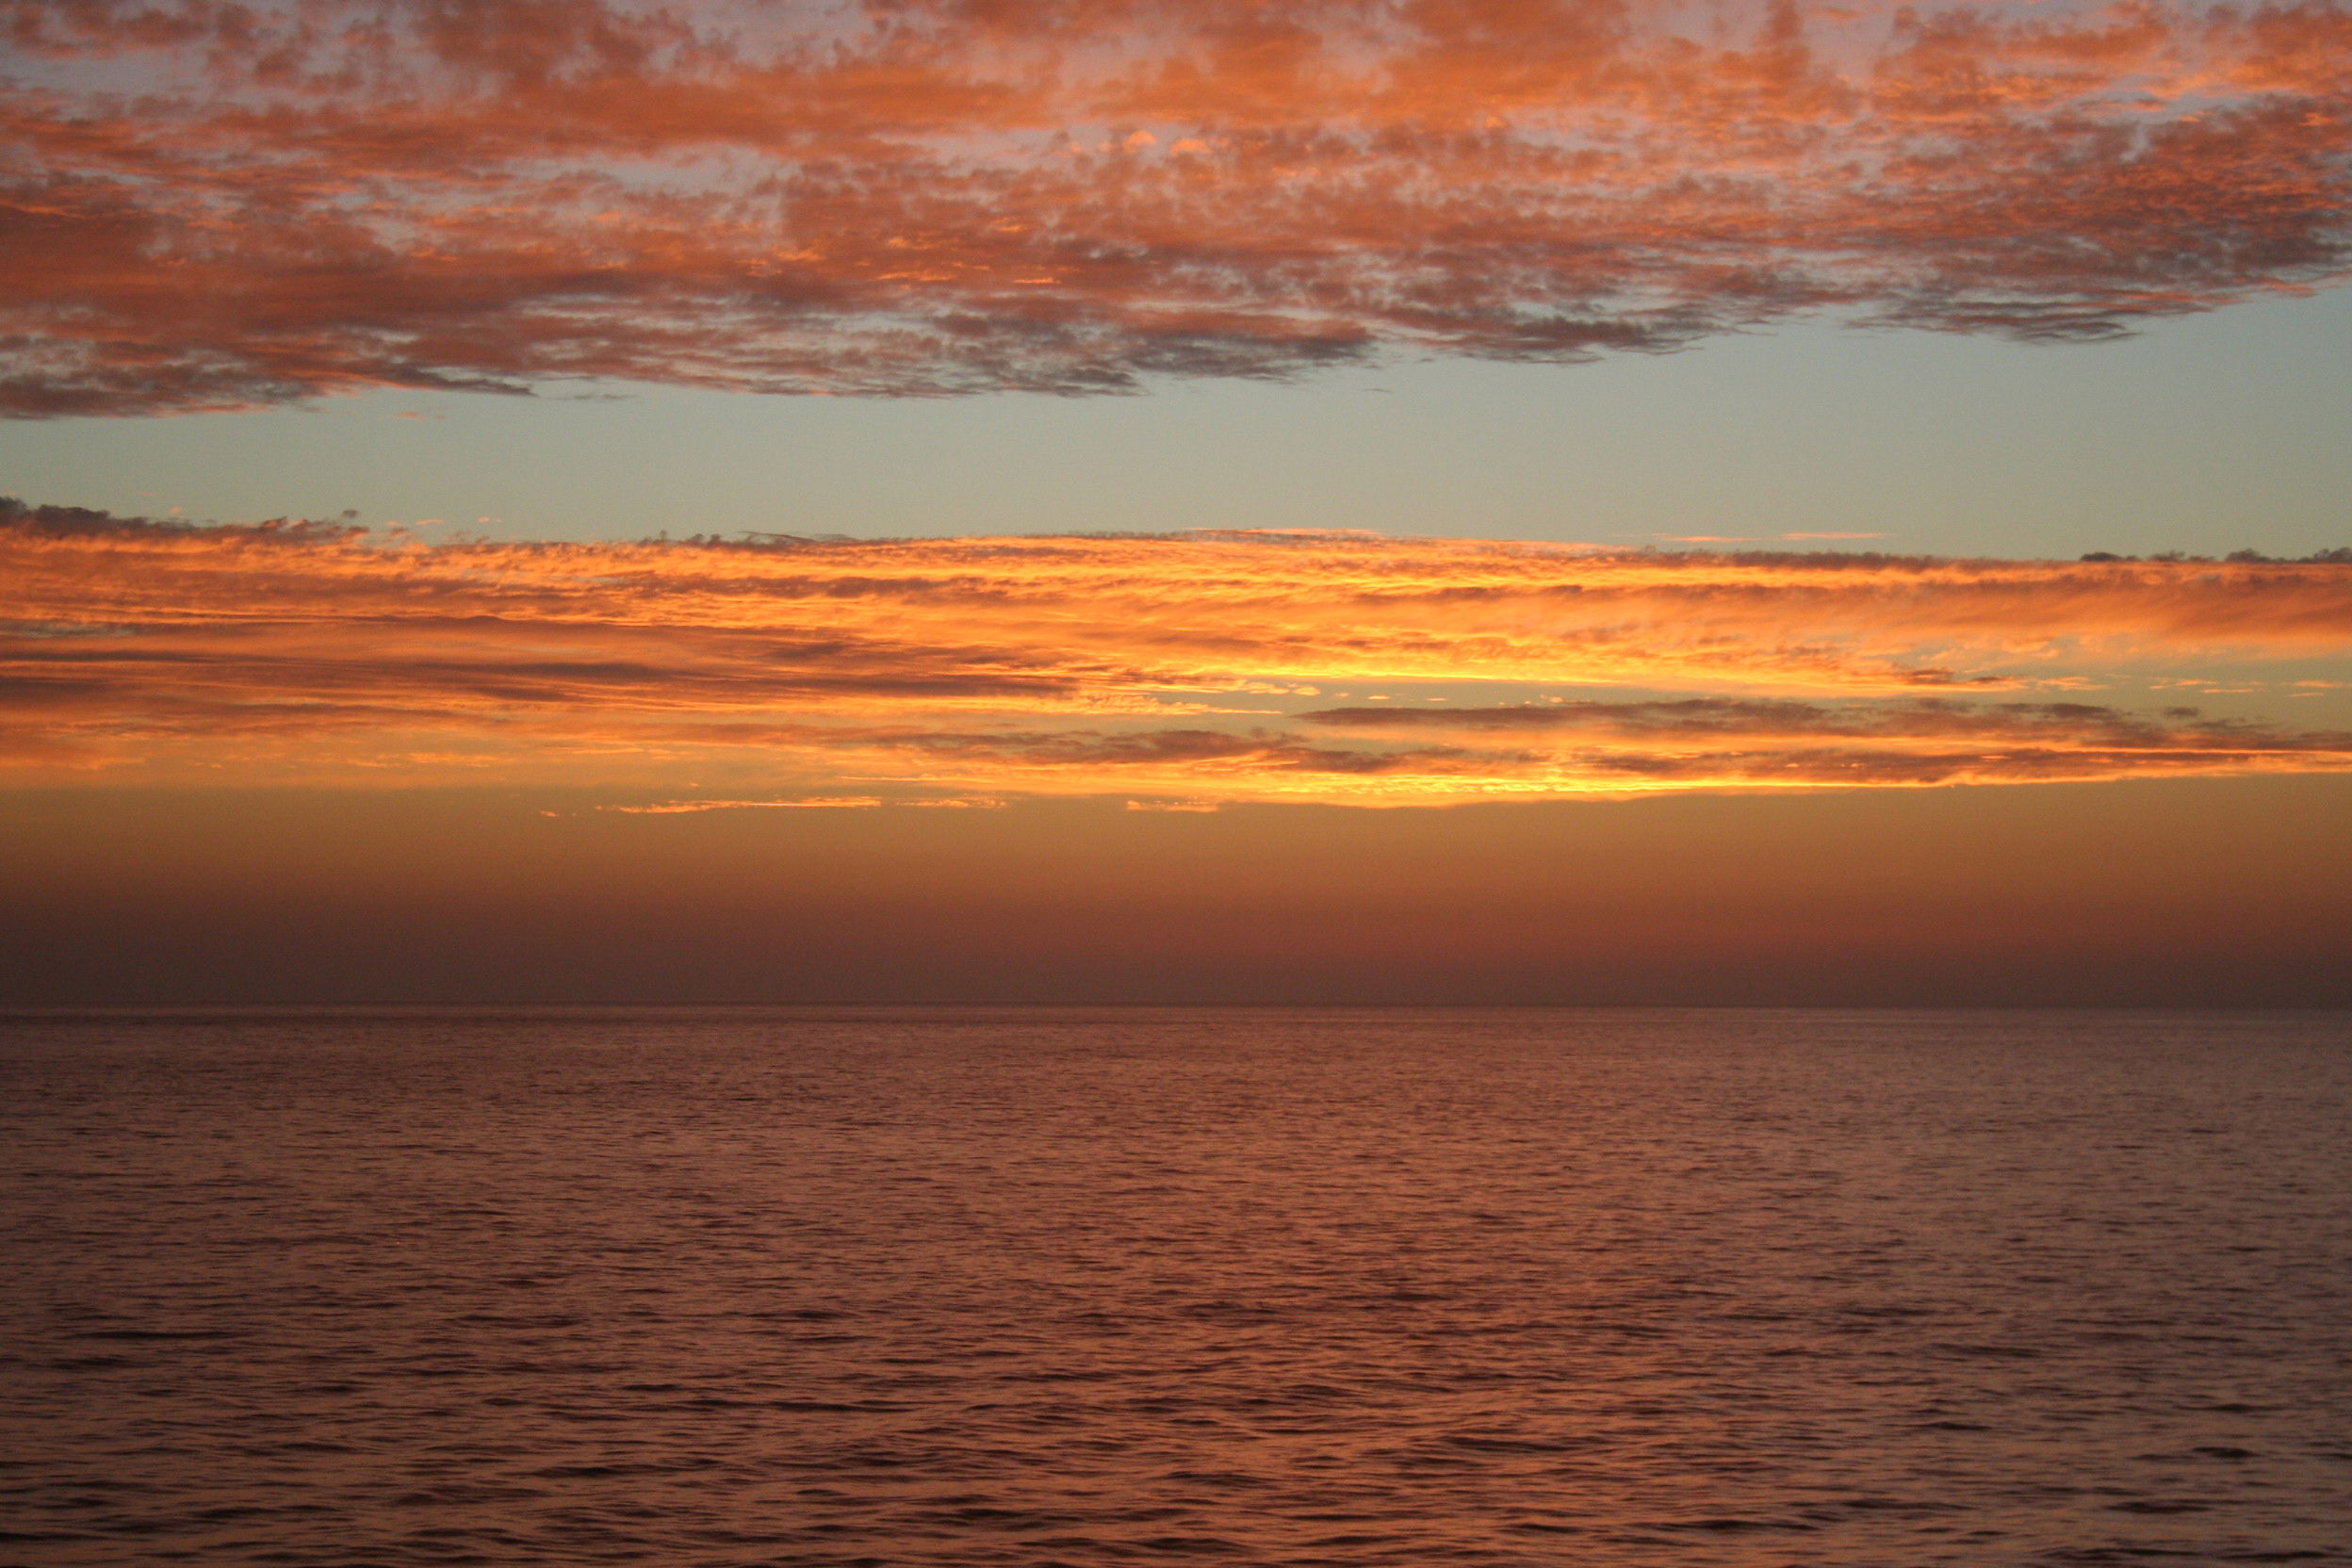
(209, 205)
(679, 807)
(1199, 666)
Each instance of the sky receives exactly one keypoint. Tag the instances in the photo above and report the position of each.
(1516, 501)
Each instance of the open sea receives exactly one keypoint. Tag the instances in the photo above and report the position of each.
(1036, 1287)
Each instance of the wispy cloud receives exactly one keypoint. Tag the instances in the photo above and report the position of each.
(209, 205)
(1924, 740)
(781, 673)
(680, 807)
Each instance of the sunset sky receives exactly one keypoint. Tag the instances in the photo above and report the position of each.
(1474, 500)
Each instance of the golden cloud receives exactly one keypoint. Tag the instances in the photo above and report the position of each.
(1198, 667)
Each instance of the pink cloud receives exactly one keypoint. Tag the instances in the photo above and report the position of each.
(212, 207)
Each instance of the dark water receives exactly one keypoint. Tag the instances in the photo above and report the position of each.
(1248, 1288)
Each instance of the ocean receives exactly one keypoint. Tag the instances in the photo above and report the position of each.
(843, 1287)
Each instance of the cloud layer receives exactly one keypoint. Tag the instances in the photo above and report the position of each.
(213, 205)
(1195, 667)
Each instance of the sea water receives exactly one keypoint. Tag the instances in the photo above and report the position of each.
(1217, 1286)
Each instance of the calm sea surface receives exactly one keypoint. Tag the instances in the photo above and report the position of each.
(1217, 1286)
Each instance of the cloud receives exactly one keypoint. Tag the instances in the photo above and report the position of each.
(680, 807)
(1920, 719)
(1628, 748)
(215, 206)
(940, 671)
(1921, 741)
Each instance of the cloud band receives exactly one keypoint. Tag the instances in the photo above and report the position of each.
(1197, 666)
(216, 207)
